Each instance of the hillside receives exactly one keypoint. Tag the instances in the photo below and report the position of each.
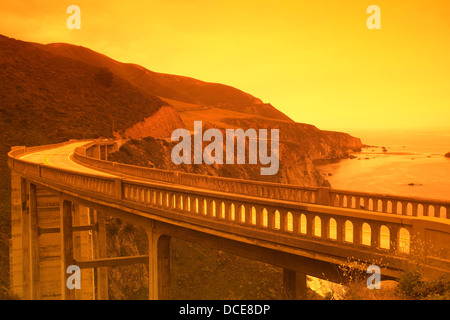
(69, 98)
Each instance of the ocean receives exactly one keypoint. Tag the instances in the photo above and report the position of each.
(412, 163)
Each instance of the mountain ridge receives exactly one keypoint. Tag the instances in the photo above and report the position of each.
(176, 87)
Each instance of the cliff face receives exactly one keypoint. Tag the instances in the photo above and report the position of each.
(159, 125)
(305, 139)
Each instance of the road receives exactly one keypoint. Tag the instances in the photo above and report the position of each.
(61, 157)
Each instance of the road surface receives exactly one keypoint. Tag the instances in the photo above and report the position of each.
(61, 157)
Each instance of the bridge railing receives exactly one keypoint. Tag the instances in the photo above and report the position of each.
(390, 204)
(283, 221)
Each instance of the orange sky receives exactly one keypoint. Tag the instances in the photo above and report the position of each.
(314, 60)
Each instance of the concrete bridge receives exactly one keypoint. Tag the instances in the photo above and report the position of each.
(62, 193)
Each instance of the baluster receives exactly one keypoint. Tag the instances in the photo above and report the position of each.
(375, 204)
(295, 223)
(248, 214)
(384, 205)
(179, 202)
(309, 225)
(404, 208)
(283, 220)
(202, 210)
(425, 209)
(356, 205)
(414, 208)
(137, 194)
(324, 226)
(270, 218)
(211, 208)
(340, 229)
(375, 234)
(228, 215)
(393, 237)
(186, 203)
(357, 232)
(132, 193)
(259, 220)
(341, 201)
(394, 206)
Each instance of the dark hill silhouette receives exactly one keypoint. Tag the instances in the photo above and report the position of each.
(45, 96)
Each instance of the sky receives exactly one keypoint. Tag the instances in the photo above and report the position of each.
(316, 61)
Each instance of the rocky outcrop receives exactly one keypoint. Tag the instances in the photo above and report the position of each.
(306, 139)
(159, 125)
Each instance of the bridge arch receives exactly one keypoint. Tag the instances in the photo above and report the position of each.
(443, 212)
(303, 224)
(348, 233)
(332, 229)
(223, 210)
(242, 214)
(317, 227)
(336, 200)
(289, 227)
(385, 237)
(366, 238)
(264, 217)
(353, 202)
(409, 209)
(345, 201)
(276, 220)
(404, 241)
(253, 215)
(232, 212)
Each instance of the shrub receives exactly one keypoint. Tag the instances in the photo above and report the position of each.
(104, 77)
(413, 286)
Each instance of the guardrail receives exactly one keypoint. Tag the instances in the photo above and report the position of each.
(390, 204)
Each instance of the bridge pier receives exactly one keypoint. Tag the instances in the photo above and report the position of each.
(25, 232)
(159, 265)
(99, 241)
(294, 285)
(24, 227)
(16, 254)
(33, 238)
(66, 237)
